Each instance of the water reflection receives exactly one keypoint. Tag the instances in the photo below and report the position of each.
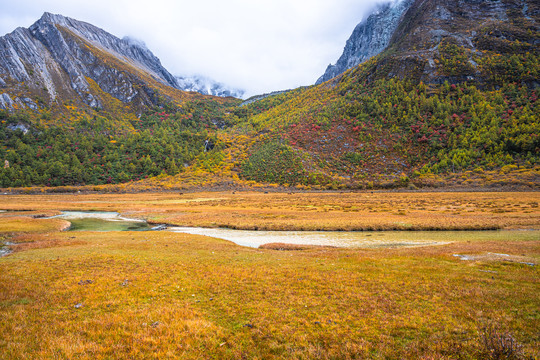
(101, 221)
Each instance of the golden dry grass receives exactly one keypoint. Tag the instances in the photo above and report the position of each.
(167, 295)
(24, 224)
(292, 247)
(308, 211)
(164, 295)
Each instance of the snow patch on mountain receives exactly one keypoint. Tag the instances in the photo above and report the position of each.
(206, 86)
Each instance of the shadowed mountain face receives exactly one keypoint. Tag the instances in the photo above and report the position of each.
(415, 34)
(369, 38)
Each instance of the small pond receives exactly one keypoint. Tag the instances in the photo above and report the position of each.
(4, 249)
(101, 221)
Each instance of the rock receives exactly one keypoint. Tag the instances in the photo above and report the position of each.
(412, 31)
(127, 47)
(56, 54)
(5, 101)
(85, 282)
(208, 145)
(29, 103)
(4, 250)
(22, 127)
(159, 227)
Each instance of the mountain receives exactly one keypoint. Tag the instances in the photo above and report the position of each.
(206, 86)
(416, 34)
(81, 106)
(59, 59)
(369, 38)
(449, 98)
(454, 88)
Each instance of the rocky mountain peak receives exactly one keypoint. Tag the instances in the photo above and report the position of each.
(127, 48)
(59, 58)
(369, 38)
(419, 32)
(50, 18)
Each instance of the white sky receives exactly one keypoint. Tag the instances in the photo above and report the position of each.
(256, 45)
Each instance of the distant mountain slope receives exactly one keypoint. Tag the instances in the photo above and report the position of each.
(456, 89)
(206, 86)
(452, 98)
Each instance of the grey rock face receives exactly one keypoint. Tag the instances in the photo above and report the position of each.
(6, 102)
(22, 127)
(127, 49)
(53, 57)
(24, 59)
(369, 38)
(29, 103)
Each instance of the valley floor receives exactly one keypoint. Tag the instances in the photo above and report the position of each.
(145, 295)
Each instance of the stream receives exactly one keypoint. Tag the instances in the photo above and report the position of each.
(113, 221)
(357, 239)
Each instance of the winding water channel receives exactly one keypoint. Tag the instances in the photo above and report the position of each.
(359, 239)
(112, 221)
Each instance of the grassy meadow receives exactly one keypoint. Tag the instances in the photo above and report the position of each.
(307, 211)
(159, 295)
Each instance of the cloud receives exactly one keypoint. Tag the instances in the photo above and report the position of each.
(257, 45)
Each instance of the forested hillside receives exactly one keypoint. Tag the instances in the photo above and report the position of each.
(94, 151)
(414, 115)
(395, 127)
